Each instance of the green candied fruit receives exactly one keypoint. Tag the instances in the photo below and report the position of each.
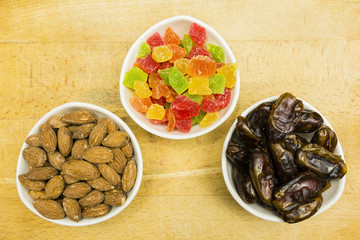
(135, 74)
(164, 74)
(217, 83)
(177, 81)
(217, 52)
(198, 118)
(195, 98)
(187, 43)
(167, 105)
(144, 50)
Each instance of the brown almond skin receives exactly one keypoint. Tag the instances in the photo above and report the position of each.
(56, 122)
(55, 187)
(70, 180)
(97, 134)
(56, 160)
(72, 209)
(48, 138)
(78, 117)
(49, 208)
(80, 170)
(129, 176)
(77, 190)
(110, 125)
(110, 175)
(78, 148)
(98, 154)
(115, 197)
(65, 141)
(93, 198)
(33, 140)
(116, 139)
(128, 150)
(96, 211)
(31, 184)
(100, 184)
(41, 173)
(38, 195)
(34, 156)
(119, 161)
(83, 131)
(72, 128)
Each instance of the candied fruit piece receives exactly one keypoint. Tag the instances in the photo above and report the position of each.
(142, 89)
(223, 99)
(162, 54)
(156, 112)
(161, 101)
(197, 34)
(135, 74)
(178, 81)
(229, 71)
(140, 104)
(184, 108)
(144, 50)
(217, 52)
(209, 119)
(164, 74)
(160, 89)
(171, 121)
(217, 83)
(148, 64)
(187, 43)
(165, 65)
(178, 52)
(155, 40)
(162, 121)
(199, 86)
(182, 65)
(199, 51)
(171, 37)
(195, 98)
(151, 79)
(201, 66)
(219, 65)
(184, 125)
(208, 105)
(198, 118)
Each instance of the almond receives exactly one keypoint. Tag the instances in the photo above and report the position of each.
(48, 138)
(109, 174)
(97, 134)
(41, 173)
(93, 198)
(38, 195)
(49, 208)
(100, 184)
(56, 160)
(98, 154)
(56, 122)
(78, 148)
(129, 176)
(72, 128)
(115, 197)
(83, 131)
(65, 141)
(96, 211)
(116, 139)
(33, 140)
(72, 209)
(80, 170)
(77, 190)
(34, 156)
(128, 150)
(69, 180)
(110, 125)
(78, 117)
(31, 184)
(119, 161)
(55, 187)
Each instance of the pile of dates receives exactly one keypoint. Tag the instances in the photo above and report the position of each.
(278, 168)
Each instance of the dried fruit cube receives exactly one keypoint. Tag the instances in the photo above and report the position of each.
(209, 119)
(197, 34)
(199, 86)
(151, 79)
(165, 65)
(223, 99)
(209, 105)
(184, 108)
(171, 37)
(184, 125)
(142, 89)
(148, 64)
(217, 52)
(171, 121)
(229, 71)
(178, 52)
(162, 121)
(164, 74)
(201, 66)
(135, 74)
(197, 51)
(182, 65)
(156, 112)
(162, 54)
(187, 43)
(178, 81)
(161, 101)
(217, 83)
(160, 89)
(198, 118)
(140, 104)
(144, 50)
(196, 98)
(155, 40)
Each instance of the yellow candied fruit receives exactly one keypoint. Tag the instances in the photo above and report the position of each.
(142, 89)
(209, 119)
(162, 54)
(156, 112)
(199, 86)
(229, 71)
(182, 65)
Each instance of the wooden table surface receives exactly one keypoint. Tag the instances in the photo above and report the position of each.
(54, 52)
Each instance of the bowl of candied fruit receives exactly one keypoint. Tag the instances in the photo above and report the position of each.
(282, 160)
(180, 79)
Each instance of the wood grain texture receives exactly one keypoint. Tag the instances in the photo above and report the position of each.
(54, 52)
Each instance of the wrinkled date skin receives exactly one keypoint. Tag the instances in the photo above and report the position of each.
(303, 211)
(248, 135)
(238, 154)
(283, 116)
(309, 121)
(262, 174)
(244, 185)
(294, 142)
(258, 117)
(302, 188)
(321, 161)
(326, 138)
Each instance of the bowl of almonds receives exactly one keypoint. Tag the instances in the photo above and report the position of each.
(79, 165)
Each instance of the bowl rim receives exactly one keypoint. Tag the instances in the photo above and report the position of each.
(231, 188)
(189, 135)
(22, 191)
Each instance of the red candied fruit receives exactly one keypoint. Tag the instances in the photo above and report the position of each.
(161, 101)
(196, 51)
(171, 37)
(171, 121)
(184, 108)
(148, 64)
(184, 125)
(165, 65)
(223, 99)
(197, 34)
(209, 105)
(155, 40)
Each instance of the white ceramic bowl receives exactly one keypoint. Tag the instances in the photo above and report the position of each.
(330, 196)
(181, 25)
(22, 166)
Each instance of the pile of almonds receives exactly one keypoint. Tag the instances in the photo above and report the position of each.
(79, 166)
